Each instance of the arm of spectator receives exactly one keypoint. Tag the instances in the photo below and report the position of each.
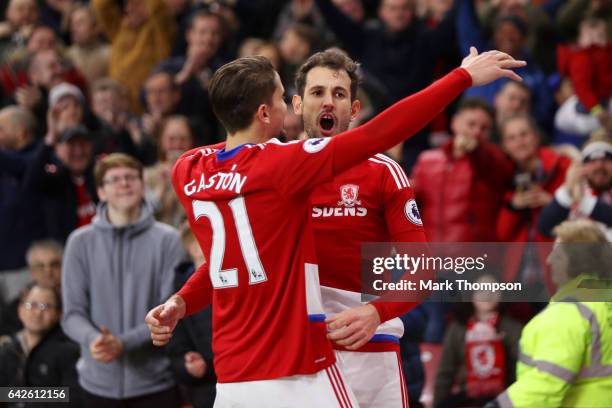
(552, 7)
(569, 120)
(41, 174)
(581, 74)
(351, 34)
(109, 16)
(75, 295)
(509, 219)
(12, 163)
(163, 18)
(596, 209)
(469, 33)
(555, 212)
(288, 17)
(442, 38)
(450, 362)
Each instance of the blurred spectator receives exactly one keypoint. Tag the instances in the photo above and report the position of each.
(56, 13)
(44, 72)
(190, 349)
(397, 48)
(479, 354)
(539, 171)
(181, 10)
(114, 270)
(306, 13)
(20, 213)
(256, 46)
(204, 38)
(193, 71)
(294, 128)
(459, 186)
(565, 351)
(42, 38)
(175, 137)
(295, 46)
(572, 124)
(40, 355)
(587, 191)
(117, 130)
(541, 36)
(162, 96)
(90, 55)
(21, 16)
(140, 37)
(415, 323)
(28, 80)
(588, 63)
(574, 11)
(513, 99)
(433, 14)
(509, 36)
(61, 169)
(45, 265)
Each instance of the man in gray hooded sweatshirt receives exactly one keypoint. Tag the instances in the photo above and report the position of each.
(114, 271)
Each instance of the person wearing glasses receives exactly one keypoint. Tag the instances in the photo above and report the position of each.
(39, 355)
(44, 260)
(115, 269)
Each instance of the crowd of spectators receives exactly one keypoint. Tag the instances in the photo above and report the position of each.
(89, 89)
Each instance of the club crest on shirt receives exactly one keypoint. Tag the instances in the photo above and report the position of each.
(412, 212)
(348, 195)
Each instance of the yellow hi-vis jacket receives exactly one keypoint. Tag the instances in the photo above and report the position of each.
(565, 355)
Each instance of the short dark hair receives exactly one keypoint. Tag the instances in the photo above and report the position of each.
(238, 88)
(203, 13)
(333, 59)
(475, 103)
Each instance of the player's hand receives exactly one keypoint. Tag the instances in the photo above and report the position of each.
(163, 319)
(195, 364)
(490, 65)
(354, 327)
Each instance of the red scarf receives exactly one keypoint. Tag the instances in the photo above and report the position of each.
(485, 359)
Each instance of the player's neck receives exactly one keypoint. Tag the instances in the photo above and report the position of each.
(249, 135)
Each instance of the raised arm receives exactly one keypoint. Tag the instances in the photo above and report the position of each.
(408, 116)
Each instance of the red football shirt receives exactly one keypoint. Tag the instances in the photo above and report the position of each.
(249, 209)
(372, 202)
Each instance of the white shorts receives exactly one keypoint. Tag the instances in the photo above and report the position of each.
(323, 389)
(376, 378)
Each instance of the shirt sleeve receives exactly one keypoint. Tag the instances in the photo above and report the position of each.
(298, 167)
(403, 222)
(197, 291)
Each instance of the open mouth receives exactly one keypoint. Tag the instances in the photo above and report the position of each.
(326, 123)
